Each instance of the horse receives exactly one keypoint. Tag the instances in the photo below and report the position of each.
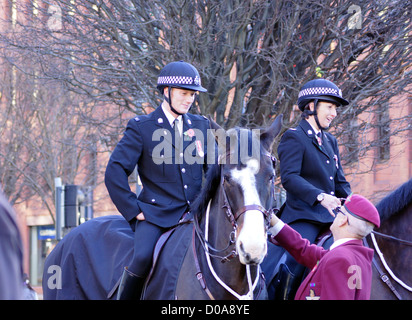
(392, 242)
(215, 253)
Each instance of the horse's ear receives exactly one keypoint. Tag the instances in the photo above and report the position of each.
(213, 125)
(268, 136)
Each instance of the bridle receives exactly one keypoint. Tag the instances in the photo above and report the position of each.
(233, 218)
(203, 238)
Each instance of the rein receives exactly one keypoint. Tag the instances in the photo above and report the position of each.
(385, 236)
(249, 294)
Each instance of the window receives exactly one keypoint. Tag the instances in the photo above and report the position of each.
(383, 133)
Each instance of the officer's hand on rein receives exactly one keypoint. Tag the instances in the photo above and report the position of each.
(330, 203)
(140, 216)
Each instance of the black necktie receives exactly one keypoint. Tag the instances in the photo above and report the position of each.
(176, 126)
(319, 137)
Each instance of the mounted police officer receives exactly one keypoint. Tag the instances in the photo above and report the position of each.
(311, 171)
(158, 143)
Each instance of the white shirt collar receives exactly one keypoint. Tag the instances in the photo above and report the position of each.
(315, 130)
(170, 117)
(339, 242)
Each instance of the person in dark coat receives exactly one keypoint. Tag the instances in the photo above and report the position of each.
(11, 253)
(170, 150)
(344, 272)
(311, 171)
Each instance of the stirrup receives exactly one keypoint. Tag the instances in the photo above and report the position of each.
(130, 287)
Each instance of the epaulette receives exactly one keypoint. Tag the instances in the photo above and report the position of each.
(137, 118)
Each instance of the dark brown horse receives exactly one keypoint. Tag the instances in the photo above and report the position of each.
(228, 239)
(215, 257)
(392, 274)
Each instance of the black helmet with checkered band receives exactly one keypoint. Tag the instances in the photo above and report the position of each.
(179, 74)
(320, 90)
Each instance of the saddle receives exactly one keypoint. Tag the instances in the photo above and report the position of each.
(176, 250)
(168, 257)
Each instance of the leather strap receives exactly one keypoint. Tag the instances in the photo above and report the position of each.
(199, 274)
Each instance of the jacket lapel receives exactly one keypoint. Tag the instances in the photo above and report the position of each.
(187, 133)
(325, 148)
(162, 122)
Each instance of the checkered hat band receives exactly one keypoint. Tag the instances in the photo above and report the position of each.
(318, 91)
(177, 80)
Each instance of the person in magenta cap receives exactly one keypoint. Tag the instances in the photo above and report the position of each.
(344, 272)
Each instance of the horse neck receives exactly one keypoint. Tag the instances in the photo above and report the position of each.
(398, 224)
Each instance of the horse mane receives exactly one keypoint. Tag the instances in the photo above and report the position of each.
(396, 201)
(212, 178)
(208, 190)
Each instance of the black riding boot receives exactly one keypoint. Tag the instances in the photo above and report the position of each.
(286, 284)
(130, 287)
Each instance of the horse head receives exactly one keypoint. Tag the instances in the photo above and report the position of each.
(247, 183)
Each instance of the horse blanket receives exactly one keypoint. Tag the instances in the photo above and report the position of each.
(89, 261)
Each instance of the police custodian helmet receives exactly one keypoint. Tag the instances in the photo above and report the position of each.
(179, 74)
(322, 90)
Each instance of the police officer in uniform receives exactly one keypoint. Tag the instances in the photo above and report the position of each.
(169, 148)
(311, 172)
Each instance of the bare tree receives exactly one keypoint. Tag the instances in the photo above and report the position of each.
(44, 136)
(253, 56)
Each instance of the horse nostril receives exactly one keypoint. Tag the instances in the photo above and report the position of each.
(245, 255)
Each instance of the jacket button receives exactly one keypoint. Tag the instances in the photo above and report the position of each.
(331, 178)
(183, 170)
(153, 200)
(185, 186)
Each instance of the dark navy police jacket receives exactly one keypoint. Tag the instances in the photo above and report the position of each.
(170, 179)
(307, 170)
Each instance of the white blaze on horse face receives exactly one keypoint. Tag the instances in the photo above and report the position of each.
(251, 241)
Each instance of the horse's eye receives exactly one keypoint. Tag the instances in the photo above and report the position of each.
(272, 178)
(227, 178)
